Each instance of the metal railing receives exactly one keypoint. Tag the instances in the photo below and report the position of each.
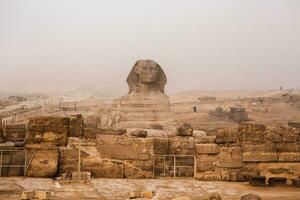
(26, 158)
(174, 167)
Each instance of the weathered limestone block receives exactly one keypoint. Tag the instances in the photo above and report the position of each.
(161, 146)
(206, 162)
(226, 135)
(250, 197)
(288, 170)
(287, 134)
(103, 168)
(257, 181)
(44, 164)
(251, 132)
(207, 149)
(27, 195)
(182, 145)
(287, 147)
(255, 147)
(205, 140)
(42, 195)
(147, 194)
(260, 157)
(81, 175)
(277, 181)
(52, 130)
(133, 172)
(296, 182)
(289, 157)
(231, 157)
(185, 130)
(139, 133)
(127, 148)
(213, 196)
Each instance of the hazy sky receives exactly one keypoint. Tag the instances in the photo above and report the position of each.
(212, 44)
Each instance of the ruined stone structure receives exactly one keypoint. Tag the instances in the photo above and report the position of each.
(146, 105)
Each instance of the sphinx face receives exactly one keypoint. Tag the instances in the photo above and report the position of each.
(148, 73)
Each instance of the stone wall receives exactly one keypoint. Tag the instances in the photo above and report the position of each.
(247, 150)
(229, 154)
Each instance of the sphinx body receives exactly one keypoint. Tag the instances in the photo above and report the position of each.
(146, 105)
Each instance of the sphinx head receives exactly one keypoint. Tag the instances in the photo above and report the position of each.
(146, 73)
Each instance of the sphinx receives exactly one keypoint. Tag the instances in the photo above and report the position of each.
(146, 105)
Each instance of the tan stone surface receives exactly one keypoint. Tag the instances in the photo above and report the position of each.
(207, 149)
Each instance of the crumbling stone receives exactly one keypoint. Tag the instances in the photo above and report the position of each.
(42, 195)
(214, 196)
(44, 163)
(250, 197)
(52, 130)
(81, 175)
(226, 135)
(139, 133)
(296, 182)
(185, 130)
(231, 157)
(277, 181)
(27, 195)
(257, 181)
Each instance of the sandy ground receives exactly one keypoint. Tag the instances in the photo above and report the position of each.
(117, 189)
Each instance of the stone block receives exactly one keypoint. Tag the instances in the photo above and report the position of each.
(134, 194)
(52, 130)
(260, 157)
(287, 147)
(26, 195)
(206, 162)
(277, 181)
(44, 164)
(289, 157)
(103, 168)
(43, 195)
(257, 181)
(185, 130)
(296, 182)
(250, 197)
(226, 135)
(251, 132)
(207, 149)
(139, 133)
(213, 196)
(81, 175)
(231, 157)
(147, 194)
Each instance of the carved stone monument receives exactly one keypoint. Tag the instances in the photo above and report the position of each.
(146, 105)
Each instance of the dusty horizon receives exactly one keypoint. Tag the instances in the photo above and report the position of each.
(201, 45)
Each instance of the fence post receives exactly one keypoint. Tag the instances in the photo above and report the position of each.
(1, 162)
(164, 166)
(25, 162)
(174, 166)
